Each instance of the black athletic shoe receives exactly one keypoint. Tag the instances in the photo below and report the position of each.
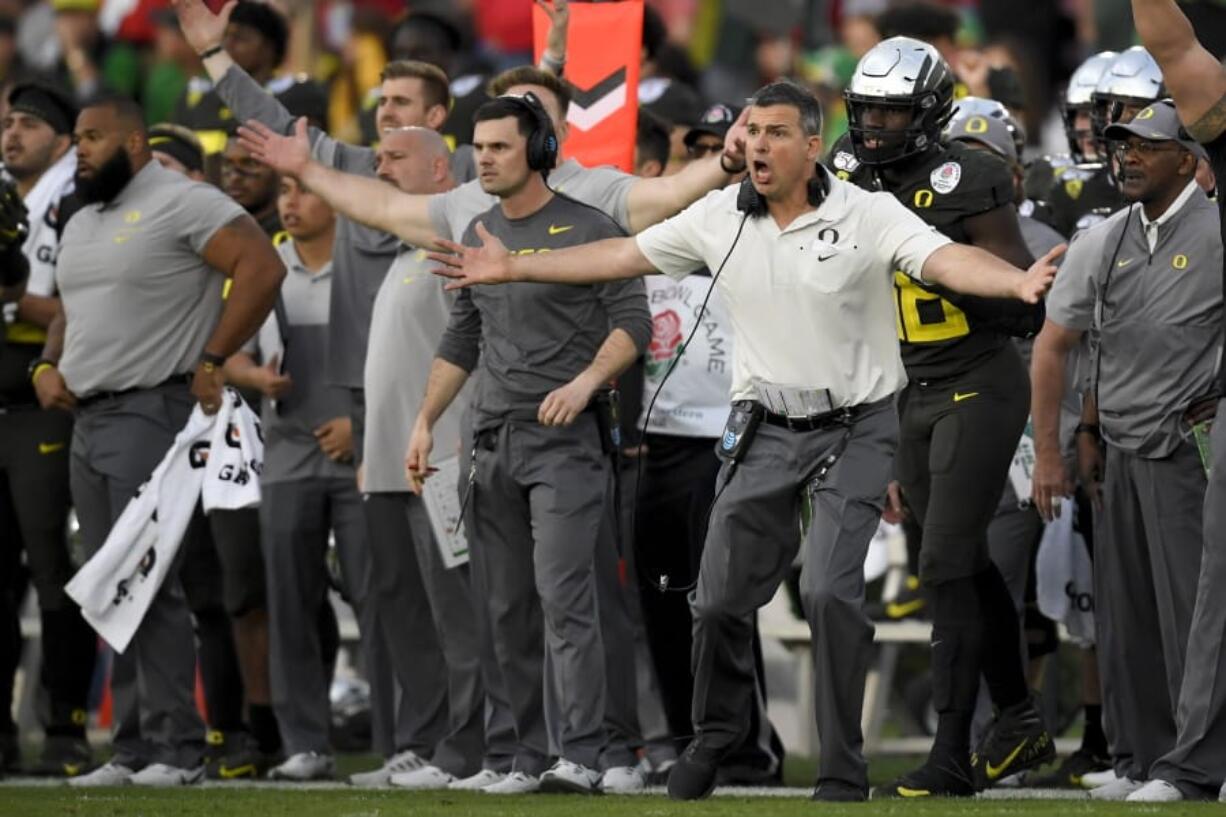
(836, 791)
(243, 761)
(1016, 741)
(1069, 773)
(693, 777)
(909, 603)
(64, 756)
(933, 779)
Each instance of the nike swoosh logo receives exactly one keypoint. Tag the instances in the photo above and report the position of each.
(246, 770)
(958, 397)
(826, 257)
(1125, 262)
(996, 771)
(903, 791)
(49, 448)
(554, 229)
(71, 769)
(896, 610)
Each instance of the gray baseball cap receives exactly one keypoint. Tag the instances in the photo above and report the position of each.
(1158, 122)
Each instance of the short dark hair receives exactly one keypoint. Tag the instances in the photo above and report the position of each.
(787, 92)
(920, 19)
(125, 107)
(501, 107)
(433, 79)
(266, 20)
(531, 75)
(652, 138)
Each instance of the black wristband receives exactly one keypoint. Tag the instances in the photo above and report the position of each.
(724, 167)
(212, 52)
(216, 361)
(1089, 428)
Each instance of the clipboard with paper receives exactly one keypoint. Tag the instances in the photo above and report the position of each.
(443, 507)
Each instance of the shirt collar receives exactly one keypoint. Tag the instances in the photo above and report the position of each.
(294, 263)
(1171, 211)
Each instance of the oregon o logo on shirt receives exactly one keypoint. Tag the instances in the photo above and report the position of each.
(1180, 261)
(923, 198)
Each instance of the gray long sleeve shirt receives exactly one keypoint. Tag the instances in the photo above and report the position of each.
(532, 338)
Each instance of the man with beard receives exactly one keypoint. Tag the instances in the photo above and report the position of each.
(34, 499)
(142, 335)
(961, 415)
(1146, 283)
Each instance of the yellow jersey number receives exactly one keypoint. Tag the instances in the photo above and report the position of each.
(911, 328)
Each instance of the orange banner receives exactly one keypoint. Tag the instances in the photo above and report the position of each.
(603, 49)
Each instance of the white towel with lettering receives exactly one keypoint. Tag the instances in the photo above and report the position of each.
(1064, 576)
(216, 460)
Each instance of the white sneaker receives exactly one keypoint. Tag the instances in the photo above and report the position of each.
(514, 783)
(399, 763)
(162, 776)
(1221, 795)
(426, 778)
(1092, 780)
(304, 766)
(565, 776)
(108, 774)
(1156, 791)
(483, 778)
(1119, 790)
(622, 780)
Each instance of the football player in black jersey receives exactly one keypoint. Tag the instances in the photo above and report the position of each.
(961, 415)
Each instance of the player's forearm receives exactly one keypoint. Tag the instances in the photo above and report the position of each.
(1164, 30)
(372, 202)
(973, 271)
(614, 356)
(1047, 367)
(612, 259)
(445, 381)
(653, 200)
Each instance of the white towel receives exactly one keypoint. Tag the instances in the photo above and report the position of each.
(1064, 576)
(216, 460)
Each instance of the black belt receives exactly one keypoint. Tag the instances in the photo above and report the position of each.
(818, 422)
(99, 396)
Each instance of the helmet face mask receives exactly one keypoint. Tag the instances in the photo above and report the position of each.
(898, 74)
(1132, 81)
(1078, 99)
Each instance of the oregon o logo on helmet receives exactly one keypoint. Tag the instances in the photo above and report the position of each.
(977, 124)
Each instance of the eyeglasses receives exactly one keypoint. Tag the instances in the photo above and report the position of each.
(1145, 150)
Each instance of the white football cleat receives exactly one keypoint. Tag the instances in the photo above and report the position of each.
(1119, 790)
(515, 783)
(623, 780)
(108, 774)
(571, 778)
(1156, 791)
(478, 781)
(399, 763)
(162, 776)
(303, 767)
(425, 778)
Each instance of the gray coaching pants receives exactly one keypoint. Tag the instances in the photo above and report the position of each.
(296, 518)
(1145, 575)
(116, 445)
(751, 542)
(1197, 764)
(536, 512)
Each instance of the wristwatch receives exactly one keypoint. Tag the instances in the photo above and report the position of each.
(210, 362)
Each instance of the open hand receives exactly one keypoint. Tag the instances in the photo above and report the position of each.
(288, 155)
(558, 12)
(202, 28)
(1038, 279)
(465, 266)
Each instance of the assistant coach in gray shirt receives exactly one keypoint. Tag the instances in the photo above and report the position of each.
(144, 336)
(1146, 282)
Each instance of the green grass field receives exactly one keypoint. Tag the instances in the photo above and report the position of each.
(244, 800)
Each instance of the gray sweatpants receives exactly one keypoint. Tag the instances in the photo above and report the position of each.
(426, 615)
(1197, 764)
(751, 542)
(536, 513)
(1145, 573)
(116, 444)
(296, 518)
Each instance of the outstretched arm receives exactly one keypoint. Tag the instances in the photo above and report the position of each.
(973, 271)
(372, 202)
(609, 260)
(1195, 78)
